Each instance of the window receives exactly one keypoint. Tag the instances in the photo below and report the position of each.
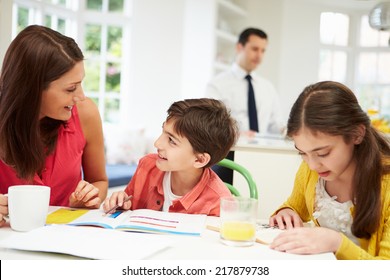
(105, 25)
(373, 67)
(334, 51)
(101, 29)
(59, 15)
(362, 60)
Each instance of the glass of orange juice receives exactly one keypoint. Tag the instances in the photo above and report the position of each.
(238, 221)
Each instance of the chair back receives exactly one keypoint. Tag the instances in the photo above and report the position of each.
(227, 163)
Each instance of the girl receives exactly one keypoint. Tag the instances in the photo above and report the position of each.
(343, 184)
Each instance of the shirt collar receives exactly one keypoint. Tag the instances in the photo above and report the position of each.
(240, 73)
(188, 199)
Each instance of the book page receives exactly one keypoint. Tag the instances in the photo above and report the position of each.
(140, 220)
(85, 217)
(145, 220)
(64, 215)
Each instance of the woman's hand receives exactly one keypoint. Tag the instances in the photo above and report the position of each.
(286, 219)
(117, 198)
(307, 241)
(85, 195)
(3, 208)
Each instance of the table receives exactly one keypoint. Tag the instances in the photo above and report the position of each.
(204, 247)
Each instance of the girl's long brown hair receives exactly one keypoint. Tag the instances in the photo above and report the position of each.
(35, 58)
(332, 108)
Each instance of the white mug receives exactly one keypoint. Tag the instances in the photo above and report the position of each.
(28, 206)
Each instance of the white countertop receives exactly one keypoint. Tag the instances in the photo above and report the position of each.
(273, 143)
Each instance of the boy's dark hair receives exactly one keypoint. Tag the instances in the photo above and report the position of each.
(207, 125)
(244, 36)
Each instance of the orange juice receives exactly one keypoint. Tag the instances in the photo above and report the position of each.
(238, 231)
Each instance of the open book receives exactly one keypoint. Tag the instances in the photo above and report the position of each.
(141, 220)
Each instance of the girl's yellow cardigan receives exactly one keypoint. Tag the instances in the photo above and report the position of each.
(302, 199)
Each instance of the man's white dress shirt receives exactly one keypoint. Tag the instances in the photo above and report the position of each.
(231, 87)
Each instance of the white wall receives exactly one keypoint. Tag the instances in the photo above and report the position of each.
(198, 49)
(155, 61)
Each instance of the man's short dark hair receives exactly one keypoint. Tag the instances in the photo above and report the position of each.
(244, 36)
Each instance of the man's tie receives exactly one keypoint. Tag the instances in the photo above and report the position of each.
(252, 111)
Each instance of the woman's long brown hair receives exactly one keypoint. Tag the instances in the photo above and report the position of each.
(35, 58)
(332, 108)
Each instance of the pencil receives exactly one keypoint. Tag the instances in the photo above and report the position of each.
(116, 206)
(257, 240)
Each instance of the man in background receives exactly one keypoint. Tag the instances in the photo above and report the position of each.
(252, 99)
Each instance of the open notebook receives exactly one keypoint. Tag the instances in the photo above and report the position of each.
(141, 220)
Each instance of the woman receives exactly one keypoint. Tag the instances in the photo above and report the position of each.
(50, 133)
(343, 184)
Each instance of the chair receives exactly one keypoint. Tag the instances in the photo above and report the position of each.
(227, 163)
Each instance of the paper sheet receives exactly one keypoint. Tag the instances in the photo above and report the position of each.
(89, 242)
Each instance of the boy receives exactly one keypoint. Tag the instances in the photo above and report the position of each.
(197, 134)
